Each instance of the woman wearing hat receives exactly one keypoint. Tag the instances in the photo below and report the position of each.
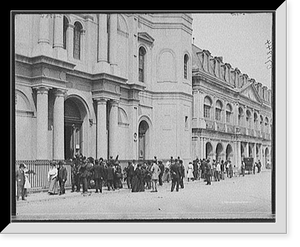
(52, 178)
(20, 177)
(27, 184)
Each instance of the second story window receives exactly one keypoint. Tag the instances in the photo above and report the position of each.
(207, 107)
(142, 54)
(77, 40)
(240, 117)
(218, 114)
(228, 113)
(65, 28)
(185, 66)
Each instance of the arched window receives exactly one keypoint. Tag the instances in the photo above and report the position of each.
(142, 54)
(228, 113)
(77, 40)
(262, 123)
(185, 66)
(218, 110)
(207, 107)
(266, 125)
(65, 28)
(240, 116)
(248, 118)
(255, 120)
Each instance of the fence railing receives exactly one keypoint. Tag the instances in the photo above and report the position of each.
(38, 171)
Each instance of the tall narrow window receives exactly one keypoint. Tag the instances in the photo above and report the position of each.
(77, 40)
(185, 66)
(207, 107)
(218, 115)
(248, 119)
(65, 28)
(142, 53)
(240, 117)
(228, 113)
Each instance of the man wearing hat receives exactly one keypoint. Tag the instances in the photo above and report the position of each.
(20, 177)
(62, 177)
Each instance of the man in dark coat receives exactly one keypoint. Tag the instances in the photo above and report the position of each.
(175, 175)
(20, 177)
(162, 169)
(98, 170)
(62, 177)
(130, 173)
(110, 176)
(208, 173)
(182, 173)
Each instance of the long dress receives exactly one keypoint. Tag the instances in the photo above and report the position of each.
(52, 175)
(190, 171)
(135, 180)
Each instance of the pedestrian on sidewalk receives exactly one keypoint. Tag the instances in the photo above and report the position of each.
(182, 174)
(98, 170)
(110, 176)
(155, 171)
(62, 177)
(190, 171)
(208, 172)
(20, 177)
(52, 178)
(175, 175)
(218, 171)
(27, 184)
(162, 169)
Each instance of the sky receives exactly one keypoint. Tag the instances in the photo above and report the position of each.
(239, 39)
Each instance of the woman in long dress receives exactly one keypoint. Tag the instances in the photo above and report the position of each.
(190, 171)
(52, 178)
(136, 179)
(27, 184)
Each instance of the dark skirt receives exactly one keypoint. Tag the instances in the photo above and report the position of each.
(135, 184)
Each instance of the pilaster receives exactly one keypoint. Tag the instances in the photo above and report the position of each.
(58, 125)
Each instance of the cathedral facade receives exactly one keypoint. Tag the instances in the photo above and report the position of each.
(103, 85)
(131, 85)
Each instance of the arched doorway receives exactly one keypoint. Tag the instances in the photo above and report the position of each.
(143, 139)
(74, 115)
(208, 150)
(229, 152)
(219, 152)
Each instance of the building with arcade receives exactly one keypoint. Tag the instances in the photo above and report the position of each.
(232, 113)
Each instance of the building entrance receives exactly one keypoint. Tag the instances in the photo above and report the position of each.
(143, 135)
(72, 129)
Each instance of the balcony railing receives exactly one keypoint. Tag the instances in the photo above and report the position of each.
(230, 128)
(220, 127)
(210, 124)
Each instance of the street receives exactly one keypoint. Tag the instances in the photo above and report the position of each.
(238, 197)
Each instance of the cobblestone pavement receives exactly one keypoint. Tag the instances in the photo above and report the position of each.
(238, 197)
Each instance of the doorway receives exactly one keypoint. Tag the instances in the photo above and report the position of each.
(72, 129)
(143, 139)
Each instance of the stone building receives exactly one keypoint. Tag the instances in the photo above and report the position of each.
(103, 85)
(131, 85)
(232, 113)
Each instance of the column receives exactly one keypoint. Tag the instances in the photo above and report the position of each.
(113, 40)
(58, 125)
(254, 152)
(42, 123)
(238, 154)
(43, 46)
(58, 31)
(113, 128)
(44, 29)
(59, 51)
(70, 37)
(202, 148)
(102, 38)
(101, 129)
(247, 149)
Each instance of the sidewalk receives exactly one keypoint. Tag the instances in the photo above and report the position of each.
(44, 196)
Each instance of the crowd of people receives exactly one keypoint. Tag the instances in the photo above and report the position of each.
(89, 173)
